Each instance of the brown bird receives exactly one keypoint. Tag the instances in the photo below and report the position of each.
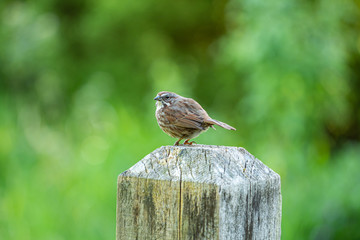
(183, 118)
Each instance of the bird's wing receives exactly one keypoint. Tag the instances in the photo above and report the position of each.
(194, 116)
(189, 115)
(190, 120)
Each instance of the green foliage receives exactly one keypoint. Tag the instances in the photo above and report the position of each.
(77, 79)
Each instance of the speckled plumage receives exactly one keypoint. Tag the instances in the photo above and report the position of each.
(183, 118)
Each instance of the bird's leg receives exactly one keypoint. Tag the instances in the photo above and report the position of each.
(177, 142)
(188, 143)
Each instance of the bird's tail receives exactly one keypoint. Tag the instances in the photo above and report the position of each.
(221, 124)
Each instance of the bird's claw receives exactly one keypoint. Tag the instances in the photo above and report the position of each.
(189, 143)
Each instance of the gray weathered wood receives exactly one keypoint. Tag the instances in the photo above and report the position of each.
(198, 192)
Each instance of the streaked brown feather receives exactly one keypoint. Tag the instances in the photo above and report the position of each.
(184, 118)
(190, 121)
(221, 124)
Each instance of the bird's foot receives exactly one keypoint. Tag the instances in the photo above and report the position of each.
(177, 142)
(188, 143)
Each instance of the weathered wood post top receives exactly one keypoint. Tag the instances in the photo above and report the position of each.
(199, 192)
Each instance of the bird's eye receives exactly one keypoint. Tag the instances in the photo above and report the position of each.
(166, 97)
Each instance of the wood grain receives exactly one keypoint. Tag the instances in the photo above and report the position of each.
(199, 192)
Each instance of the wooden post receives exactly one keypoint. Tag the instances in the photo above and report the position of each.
(198, 192)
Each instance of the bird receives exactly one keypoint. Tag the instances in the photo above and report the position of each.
(182, 117)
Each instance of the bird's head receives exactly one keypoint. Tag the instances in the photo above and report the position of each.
(166, 98)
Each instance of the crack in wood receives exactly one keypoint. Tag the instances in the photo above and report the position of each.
(180, 203)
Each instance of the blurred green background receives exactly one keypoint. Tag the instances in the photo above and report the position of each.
(78, 78)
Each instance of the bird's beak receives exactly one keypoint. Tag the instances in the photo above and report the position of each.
(157, 98)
